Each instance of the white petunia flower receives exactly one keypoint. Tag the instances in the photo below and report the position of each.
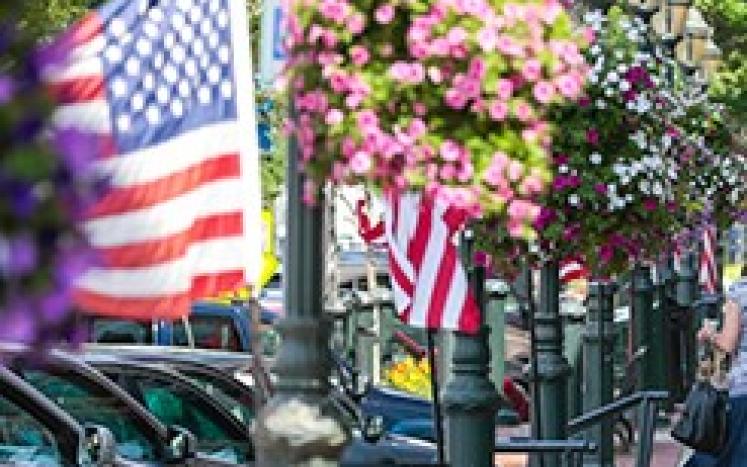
(574, 200)
(595, 158)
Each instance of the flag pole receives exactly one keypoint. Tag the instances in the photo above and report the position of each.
(438, 425)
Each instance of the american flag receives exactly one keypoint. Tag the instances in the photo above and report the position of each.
(708, 271)
(430, 286)
(166, 87)
(572, 269)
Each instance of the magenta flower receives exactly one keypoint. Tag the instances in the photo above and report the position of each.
(600, 188)
(650, 204)
(360, 163)
(592, 136)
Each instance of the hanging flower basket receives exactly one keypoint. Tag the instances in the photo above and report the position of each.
(714, 175)
(448, 97)
(615, 193)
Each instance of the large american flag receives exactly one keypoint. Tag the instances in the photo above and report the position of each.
(166, 87)
(708, 273)
(429, 283)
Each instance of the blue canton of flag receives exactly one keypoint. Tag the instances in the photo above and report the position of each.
(168, 68)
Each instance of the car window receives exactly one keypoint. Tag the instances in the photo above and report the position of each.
(180, 338)
(120, 331)
(215, 332)
(23, 440)
(90, 403)
(237, 401)
(174, 404)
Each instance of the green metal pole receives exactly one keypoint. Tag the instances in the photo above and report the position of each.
(599, 340)
(298, 424)
(552, 368)
(687, 291)
(658, 330)
(643, 304)
(469, 398)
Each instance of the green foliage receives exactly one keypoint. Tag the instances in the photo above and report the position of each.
(44, 18)
(729, 20)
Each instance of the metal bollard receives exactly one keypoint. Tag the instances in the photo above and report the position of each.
(552, 368)
(598, 368)
(641, 326)
(469, 398)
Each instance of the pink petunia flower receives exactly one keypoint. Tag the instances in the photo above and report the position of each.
(334, 117)
(360, 163)
(449, 150)
(455, 99)
(504, 89)
(356, 23)
(498, 110)
(543, 92)
(359, 55)
(384, 14)
(532, 70)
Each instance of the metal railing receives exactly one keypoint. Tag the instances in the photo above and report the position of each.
(647, 419)
(573, 449)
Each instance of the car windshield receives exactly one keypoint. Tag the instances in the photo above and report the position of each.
(23, 440)
(233, 397)
(90, 403)
(174, 403)
(120, 331)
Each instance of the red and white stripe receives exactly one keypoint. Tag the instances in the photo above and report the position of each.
(708, 272)
(572, 269)
(430, 286)
(181, 219)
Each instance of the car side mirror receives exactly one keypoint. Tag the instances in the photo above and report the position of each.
(99, 445)
(373, 428)
(181, 444)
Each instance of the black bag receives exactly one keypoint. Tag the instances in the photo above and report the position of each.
(703, 423)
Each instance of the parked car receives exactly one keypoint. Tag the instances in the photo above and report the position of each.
(89, 397)
(210, 325)
(175, 399)
(36, 431)
(242, 399)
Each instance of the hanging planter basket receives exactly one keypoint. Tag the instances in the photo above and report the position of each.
(449, 97)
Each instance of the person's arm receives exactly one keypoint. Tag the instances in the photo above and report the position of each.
(728, 339)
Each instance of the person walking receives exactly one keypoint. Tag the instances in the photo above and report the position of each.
(732, 339)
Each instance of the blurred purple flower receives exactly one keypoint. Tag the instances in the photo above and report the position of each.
(23, 201)
(55, 306)
(18, 323)
(18, 255)
(600, 188)
(7, 89)
(78, 150)
(72, 264)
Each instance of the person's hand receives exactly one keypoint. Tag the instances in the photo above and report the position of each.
(705, 334)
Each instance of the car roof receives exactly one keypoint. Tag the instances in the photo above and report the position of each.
(221, 358)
